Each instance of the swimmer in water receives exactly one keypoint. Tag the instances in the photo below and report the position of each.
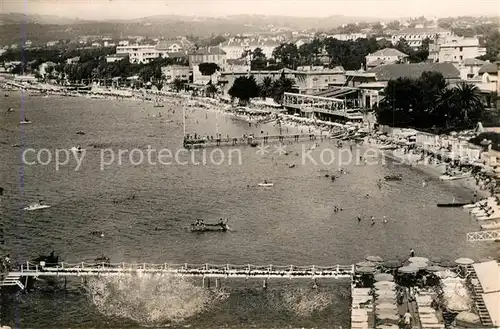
(372, 220)
(384, 220)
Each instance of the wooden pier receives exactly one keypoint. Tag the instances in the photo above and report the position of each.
(32, 270)
(252, 141)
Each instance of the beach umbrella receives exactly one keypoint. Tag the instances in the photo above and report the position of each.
(419, 265)
(392, 264)
(375, 259)
(366, 264)
(435, 268)
(365, 270)
(436, 260)
(418, 260)
(384, 277)
(384, 285)
(464, 261)
(408, 270)
(447, 263)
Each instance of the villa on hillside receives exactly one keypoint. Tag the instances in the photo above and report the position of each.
(385, 56)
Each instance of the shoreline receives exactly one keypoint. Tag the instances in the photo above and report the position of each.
(434, 171)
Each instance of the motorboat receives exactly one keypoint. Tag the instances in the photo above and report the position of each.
(447, 177)
(266, 184)
(393, 177)
(36, 206)
(291, 165)
(25, 122)
(79, 132)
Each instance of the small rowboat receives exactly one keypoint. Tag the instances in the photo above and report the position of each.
(25, 122)
(393, 177)
(266, 184)
(209, 228)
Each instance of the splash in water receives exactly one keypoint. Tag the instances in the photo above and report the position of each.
(151, 298)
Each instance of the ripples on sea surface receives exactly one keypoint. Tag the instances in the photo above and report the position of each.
(292, 223)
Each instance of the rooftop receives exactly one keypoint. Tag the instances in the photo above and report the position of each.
(469, 42)
(395, 71)
(488, 68)
(388, 52)
(473, 62)
(208, 51)
(422, 30)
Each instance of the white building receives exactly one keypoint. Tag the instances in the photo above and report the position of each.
(138, 54)
(385, 56)
(123, 43)
(234, 48)
(173, 72)
(348, 37)
(415, 36)
(115, 57)
(170, 46)
(459, 50)
(208, 55)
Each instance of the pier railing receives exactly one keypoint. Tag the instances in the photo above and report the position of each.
(201, 270)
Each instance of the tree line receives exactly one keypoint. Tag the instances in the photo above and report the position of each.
(330, 52)
(429, 103)
(245, 88)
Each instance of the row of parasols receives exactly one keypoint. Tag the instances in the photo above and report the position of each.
(413, 266)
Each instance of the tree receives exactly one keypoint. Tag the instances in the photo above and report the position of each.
(244, 88)
(393, 25)
(211, 90)
(178, 84)
(287, 54)
(429, 103)
(467, 100)
(208, 68)
(266, 87)
(492, 43)
(257, 54)
(281, 86)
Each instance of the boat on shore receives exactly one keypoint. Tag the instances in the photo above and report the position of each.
(447, 177)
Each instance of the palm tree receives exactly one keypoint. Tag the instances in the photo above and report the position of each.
(467, 100)
(266, 87)
(281, 86)
(178, 84)
(211, 90)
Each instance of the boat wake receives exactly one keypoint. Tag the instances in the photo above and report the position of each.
(151, 298)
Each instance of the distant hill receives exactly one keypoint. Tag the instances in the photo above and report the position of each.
(40, 28)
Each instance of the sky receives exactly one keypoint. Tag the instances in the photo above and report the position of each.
(129, 9)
